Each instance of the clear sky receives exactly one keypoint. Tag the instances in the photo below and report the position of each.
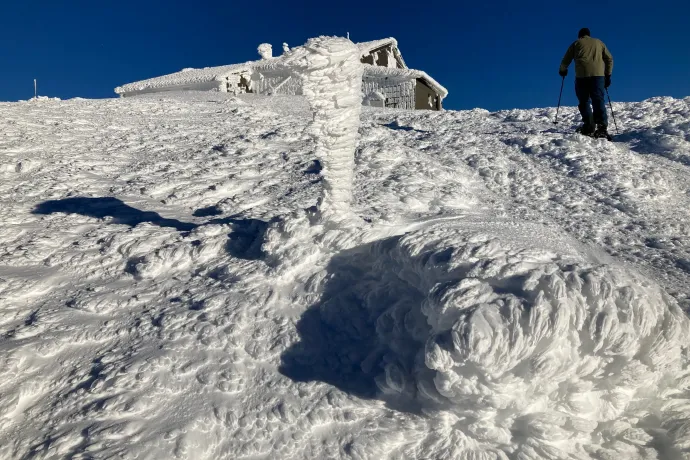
(495, 54)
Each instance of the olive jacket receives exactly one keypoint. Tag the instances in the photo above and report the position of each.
(592, 58)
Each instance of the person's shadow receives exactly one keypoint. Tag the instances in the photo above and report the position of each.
(110, 207)
(244, 241)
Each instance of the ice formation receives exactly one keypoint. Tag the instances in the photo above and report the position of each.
(332, 74)
(265, 50)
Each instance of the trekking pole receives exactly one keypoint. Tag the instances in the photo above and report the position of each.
(612, 112)
(555, 122)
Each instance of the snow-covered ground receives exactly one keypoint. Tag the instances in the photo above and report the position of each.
(505, 288)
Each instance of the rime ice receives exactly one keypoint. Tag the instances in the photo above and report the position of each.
(332, 74)
(265, 51)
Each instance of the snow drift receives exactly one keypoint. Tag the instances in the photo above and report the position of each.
(504, 288)
(532, 353)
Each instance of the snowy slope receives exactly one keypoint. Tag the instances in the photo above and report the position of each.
(507, 289)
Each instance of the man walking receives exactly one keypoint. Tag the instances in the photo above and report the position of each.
(593, 68)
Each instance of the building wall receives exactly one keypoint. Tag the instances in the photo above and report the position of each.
(368, 59)
(422, 94)
(400, 94)
(383, 54)
(236, 84)
(276, 83)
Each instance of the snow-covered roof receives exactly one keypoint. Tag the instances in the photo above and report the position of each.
(185, 77)
(367, 47)
(371, 71)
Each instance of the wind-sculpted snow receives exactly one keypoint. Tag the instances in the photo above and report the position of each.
(532, 354)
(499, 288)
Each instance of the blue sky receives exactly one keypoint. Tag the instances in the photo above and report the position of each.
(496, 54)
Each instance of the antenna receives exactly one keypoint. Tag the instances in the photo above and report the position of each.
(35, 90)
(348, 35)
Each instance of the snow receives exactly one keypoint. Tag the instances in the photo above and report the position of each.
(43, 99)
(500, 288)
(367, 47)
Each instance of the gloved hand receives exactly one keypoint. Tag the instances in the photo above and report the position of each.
(607, 81)
(563, 73)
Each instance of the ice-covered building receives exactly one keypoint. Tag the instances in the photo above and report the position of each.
(387, 81)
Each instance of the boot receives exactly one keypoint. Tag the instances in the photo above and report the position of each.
(601, 132)
(585, 130)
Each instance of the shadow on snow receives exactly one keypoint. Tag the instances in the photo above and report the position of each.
(244, 242)
(655, 142)
(396, 126)
(367, 326)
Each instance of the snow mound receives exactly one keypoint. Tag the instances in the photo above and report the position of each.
(45, 99)
(525, 351)
(21, 166)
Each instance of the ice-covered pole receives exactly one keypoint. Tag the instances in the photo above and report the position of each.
(331, 72)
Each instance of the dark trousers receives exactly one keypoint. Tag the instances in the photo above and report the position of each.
(591, 88)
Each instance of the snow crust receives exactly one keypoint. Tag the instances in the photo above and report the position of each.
(502, 288)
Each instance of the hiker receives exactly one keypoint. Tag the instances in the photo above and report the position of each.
(593, 68)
